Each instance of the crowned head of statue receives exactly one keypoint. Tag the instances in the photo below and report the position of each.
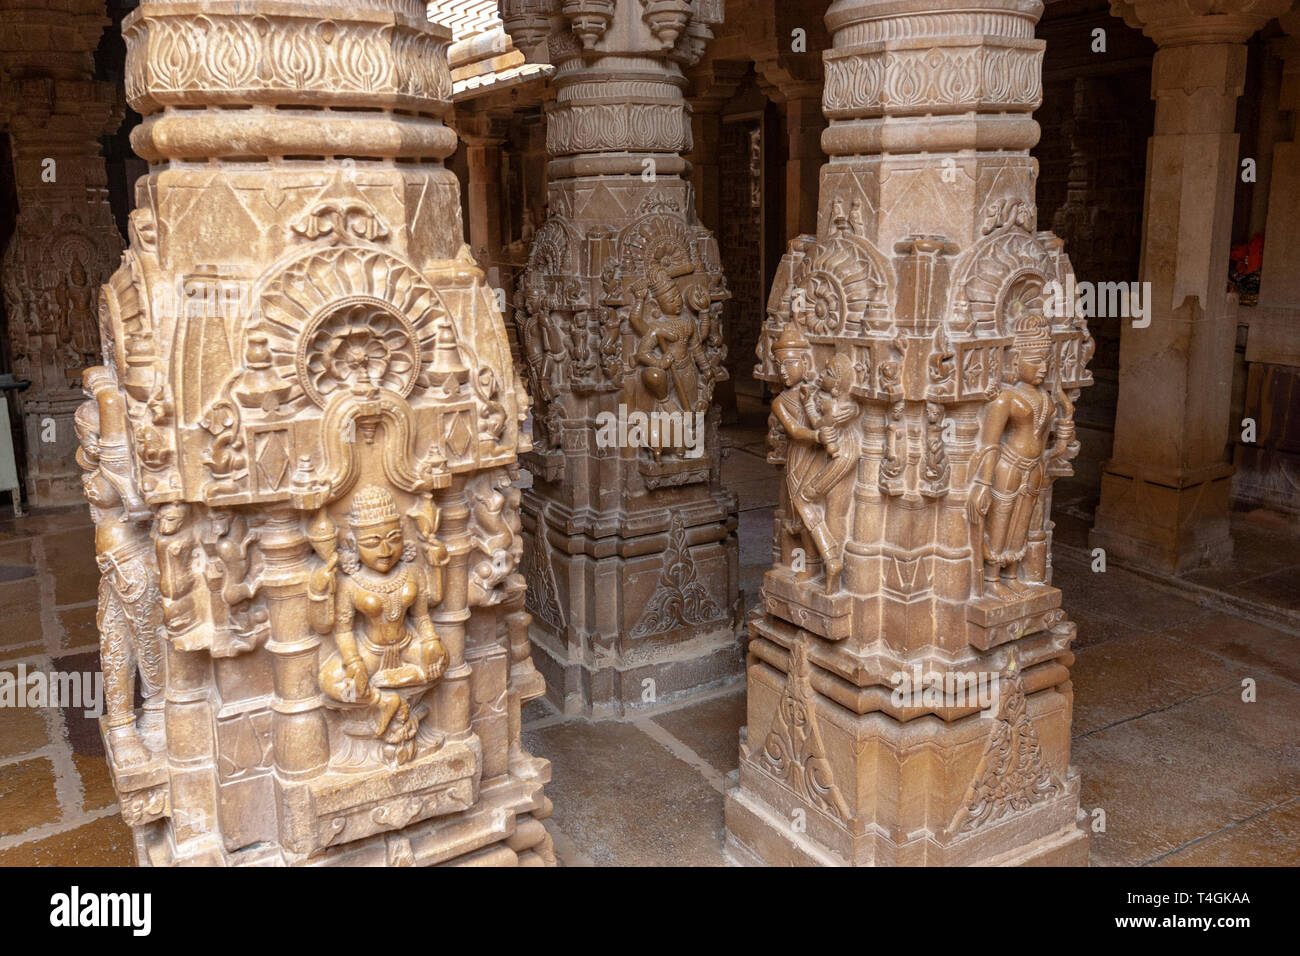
(793, 355)
(1033, 346)
(377, 529)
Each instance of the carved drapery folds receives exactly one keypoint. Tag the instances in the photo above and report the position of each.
(302, 445)
(925, 398)
(618, 316)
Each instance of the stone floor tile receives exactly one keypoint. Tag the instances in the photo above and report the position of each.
(1256, 550)
(755, 492)
(1244, 641)
(20, 626)
(27, 796)
(1120, 594)
(78, 628)
(20, 597)
(1120, 680)
(103, 842)
(1269, 839)
(22, 729)
(17, 552)
(96, 782)
(73, 554)
(711, 728)
(622, 799)
(1174, 776)
(1280, 589)
(83, 731)
(1095, 628)
(41, 521)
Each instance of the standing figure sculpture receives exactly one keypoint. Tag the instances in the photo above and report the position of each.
(821, 452)
(394, 647)
(1008, 470)
(130, 610)
(668, 346)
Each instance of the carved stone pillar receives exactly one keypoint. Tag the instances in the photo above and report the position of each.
(65, 242)
(804, 124)
(1265, 465)
(299, 458)
(631, 558)
(1165, 490)
(483, 141)
(909, 697)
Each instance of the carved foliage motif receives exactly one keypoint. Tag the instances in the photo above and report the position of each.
(793, 751)
(937, 79)
(679, 600)
(1011, 775)
(171, 57)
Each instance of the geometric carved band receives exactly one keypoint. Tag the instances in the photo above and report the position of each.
(932, 80)
(610, 127)
(187, 54)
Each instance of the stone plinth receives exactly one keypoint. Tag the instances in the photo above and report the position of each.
(631, 548)
(300, 457)
(909, 698)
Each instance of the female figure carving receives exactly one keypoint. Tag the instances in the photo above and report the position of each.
(379, 612)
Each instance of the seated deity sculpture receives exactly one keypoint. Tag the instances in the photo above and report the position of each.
(378, 610)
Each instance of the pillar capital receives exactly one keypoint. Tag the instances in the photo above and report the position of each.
(1172, 23)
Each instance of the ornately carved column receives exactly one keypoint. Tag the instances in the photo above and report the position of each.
(1165, 491)
(909, 696)
(631, 555)
(299, 458)
(65, 242)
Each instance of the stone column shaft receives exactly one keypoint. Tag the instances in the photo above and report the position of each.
(924, 407)
(300, 456)
(632, 557)
(65, 241)
(1165, 491)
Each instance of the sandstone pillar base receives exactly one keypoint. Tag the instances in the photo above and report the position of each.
(1171, 525)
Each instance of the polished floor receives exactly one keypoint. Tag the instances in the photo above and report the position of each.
(1184, 770)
